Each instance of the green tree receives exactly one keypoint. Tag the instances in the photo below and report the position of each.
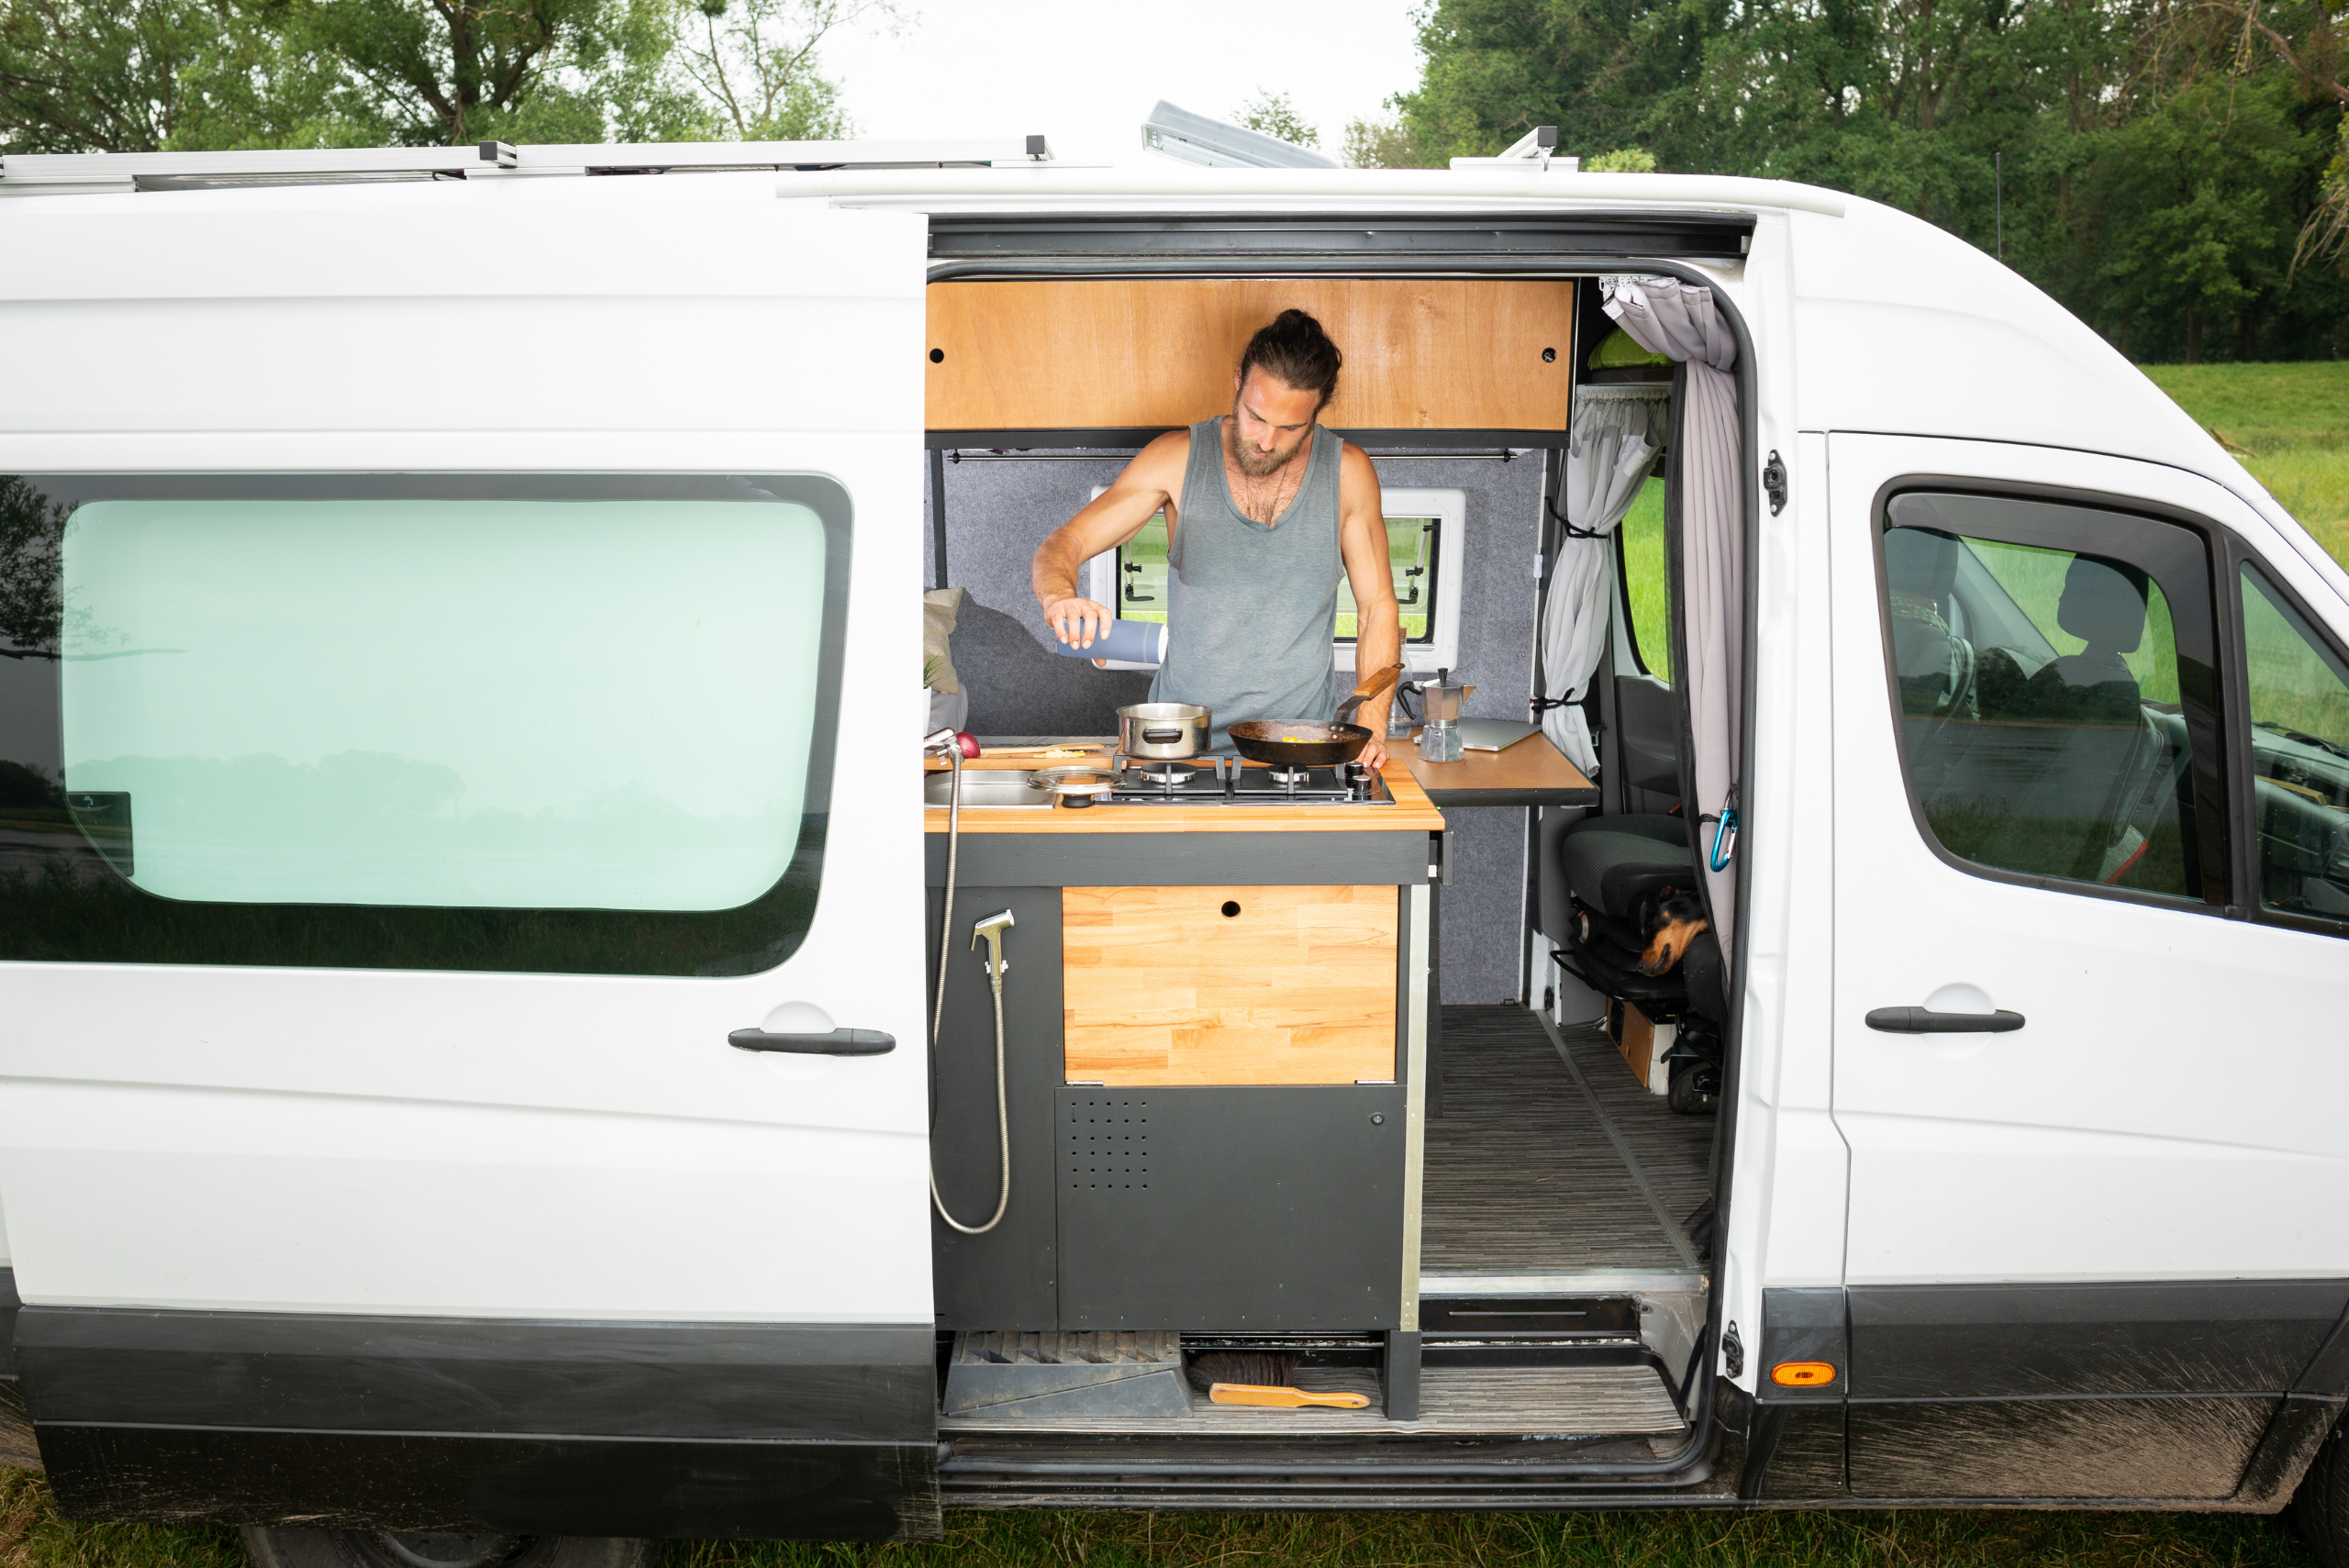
(148, 76)
(420, 73)
(2196, 221)
(753, 62)
(2152, 163)
(1271, 114)
(1382, 144)
(1606, 72)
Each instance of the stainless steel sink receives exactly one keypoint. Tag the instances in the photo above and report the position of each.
(988, 788)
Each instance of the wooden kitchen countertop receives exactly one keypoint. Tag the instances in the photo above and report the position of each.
(1412, 810)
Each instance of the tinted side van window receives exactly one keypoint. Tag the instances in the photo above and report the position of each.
(2054, 674)
(511, 723)
(2299, 748)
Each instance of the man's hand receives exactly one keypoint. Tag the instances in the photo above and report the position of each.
(1374, 755)
(1150, 485)
(1077, 621)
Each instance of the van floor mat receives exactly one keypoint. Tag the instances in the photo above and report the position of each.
(1454, 1401)
(1530, 1171)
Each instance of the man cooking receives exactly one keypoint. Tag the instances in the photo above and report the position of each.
(1264, 507)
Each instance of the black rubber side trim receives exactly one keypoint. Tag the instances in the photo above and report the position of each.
(2121, 1339)
(505, 1485)
(807, 1383)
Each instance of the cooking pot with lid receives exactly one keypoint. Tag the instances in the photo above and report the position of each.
(1164, 731)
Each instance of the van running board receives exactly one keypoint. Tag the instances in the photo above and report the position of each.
(1627, 1398)
(1027, 1377)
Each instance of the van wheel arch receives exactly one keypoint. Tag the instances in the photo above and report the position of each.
(273, 1546)
(2320, 1505)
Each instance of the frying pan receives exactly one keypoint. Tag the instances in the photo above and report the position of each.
(1312, 745)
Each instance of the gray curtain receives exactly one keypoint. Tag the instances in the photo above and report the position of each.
(1609, 450)
(1667, 316)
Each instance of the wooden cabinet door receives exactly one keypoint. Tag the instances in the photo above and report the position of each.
(1279, 985)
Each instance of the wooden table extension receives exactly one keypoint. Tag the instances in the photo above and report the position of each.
(1531, 773)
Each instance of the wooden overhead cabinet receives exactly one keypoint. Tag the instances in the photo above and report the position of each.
(1447, 354)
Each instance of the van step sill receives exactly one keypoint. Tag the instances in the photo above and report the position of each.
(1455, 1401)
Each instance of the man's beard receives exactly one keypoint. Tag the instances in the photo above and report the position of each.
(1244, 454)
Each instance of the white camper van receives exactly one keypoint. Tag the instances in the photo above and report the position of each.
(513, 1048)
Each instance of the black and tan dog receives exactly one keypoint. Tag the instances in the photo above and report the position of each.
(1669, 920)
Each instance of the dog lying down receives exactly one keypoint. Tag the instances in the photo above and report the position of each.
(1669, 919)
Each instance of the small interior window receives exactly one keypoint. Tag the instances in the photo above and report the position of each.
(1647, 579)
(1411, 554)
(2300, 749)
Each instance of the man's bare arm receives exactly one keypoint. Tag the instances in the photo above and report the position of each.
(1153, 481)
(1378, 622)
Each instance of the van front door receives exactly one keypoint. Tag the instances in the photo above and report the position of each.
(453, 927)
(2095, 1180)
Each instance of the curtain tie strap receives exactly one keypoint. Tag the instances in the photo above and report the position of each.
(1570, 530)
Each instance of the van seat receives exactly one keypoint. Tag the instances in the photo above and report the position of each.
(1612, 863)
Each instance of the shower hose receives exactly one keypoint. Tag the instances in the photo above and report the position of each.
(938, 1014)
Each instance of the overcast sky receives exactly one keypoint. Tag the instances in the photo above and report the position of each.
(1085, 72)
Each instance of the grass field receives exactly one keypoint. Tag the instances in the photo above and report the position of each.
(2290, 423)
(32, 1536)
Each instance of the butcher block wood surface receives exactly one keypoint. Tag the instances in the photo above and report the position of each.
(1533, 772)
(1412, 811)
(1420, 354)
(1161, 986)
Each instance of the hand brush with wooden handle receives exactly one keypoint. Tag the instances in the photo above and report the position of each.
(1282, 1399)
(1259, 1377)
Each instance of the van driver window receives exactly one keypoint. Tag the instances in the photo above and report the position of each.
(2299, 749)
(2052, 666)
(568, 724)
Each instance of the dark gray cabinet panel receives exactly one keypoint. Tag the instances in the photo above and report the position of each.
(1003, 1279)
(1243, 1209)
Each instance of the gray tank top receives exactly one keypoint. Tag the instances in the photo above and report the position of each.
(1250, 609)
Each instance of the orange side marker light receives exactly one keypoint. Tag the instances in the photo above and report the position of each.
(1803, 1374)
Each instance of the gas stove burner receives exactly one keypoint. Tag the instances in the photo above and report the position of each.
(1215, 781)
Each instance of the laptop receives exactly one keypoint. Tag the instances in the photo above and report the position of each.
(1492, 734)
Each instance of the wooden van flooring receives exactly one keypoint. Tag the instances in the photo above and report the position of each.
(1550, 1164)
(1454, 1401)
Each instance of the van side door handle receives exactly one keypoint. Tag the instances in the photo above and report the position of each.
(1924, 1020)
(836, 1042)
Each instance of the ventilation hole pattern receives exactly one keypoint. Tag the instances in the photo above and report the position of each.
(1107, 1146)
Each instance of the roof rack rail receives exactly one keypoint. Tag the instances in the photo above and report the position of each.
(50, 173)
(1539, 146)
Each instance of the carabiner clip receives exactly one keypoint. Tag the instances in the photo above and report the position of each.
(1724, 839)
